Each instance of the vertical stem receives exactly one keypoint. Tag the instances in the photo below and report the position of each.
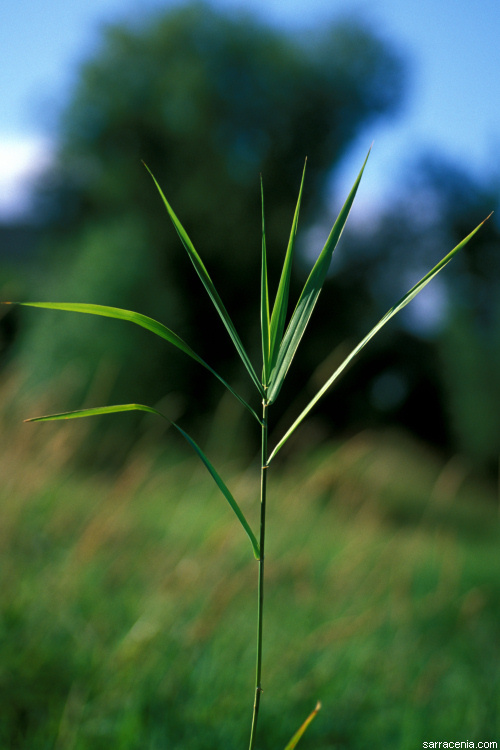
(260, 590)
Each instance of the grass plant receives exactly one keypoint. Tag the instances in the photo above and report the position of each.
(280, 338)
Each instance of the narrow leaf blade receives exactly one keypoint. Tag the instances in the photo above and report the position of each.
(79, 413)
(145, 322)
(94, 411)
(264, 299)
(280, 306)
(385, 319)
(225, 491)
(209, 286)
(298, 734)
(115, 312)
(309, 296)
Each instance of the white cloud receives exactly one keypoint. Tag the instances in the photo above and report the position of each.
(21, 162)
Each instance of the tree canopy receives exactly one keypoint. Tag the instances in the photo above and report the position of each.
(208, 101)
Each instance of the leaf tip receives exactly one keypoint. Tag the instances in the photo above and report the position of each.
(298, 734)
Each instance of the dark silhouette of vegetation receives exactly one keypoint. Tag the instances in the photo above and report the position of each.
(209, 102)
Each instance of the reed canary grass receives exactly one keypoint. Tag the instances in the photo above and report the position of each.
(281, 334)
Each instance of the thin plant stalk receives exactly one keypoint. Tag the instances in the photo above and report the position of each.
(260, 588)
(279, 346)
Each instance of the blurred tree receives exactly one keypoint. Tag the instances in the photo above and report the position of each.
(208, 101)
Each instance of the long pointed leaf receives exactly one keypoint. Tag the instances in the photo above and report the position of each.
(309, 296)
(264, 299)
(141, 407)
(389, 314)
(209, 286)
(298, 734)
(141, 320)
(278, 317)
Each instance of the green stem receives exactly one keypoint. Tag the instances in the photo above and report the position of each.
(260, 591)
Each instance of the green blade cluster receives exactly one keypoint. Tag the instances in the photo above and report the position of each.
(278, 349)
(141, 407)
(278, 345)
(309, 296)
(385, 319)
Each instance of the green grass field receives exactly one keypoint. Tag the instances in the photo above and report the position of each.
(127, 615)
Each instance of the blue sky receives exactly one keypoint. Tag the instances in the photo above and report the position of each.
(451, 46)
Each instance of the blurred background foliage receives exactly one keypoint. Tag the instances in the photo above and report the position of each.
(127, 615)
(209, 102)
